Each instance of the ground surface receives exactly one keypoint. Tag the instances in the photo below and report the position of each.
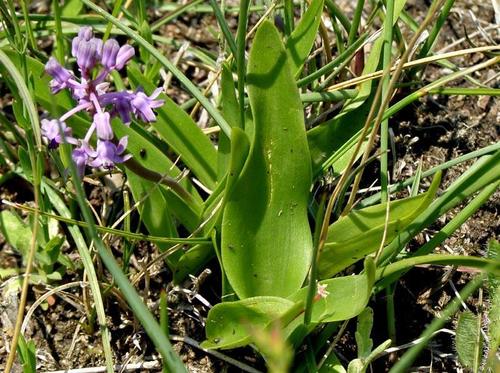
(431, 131)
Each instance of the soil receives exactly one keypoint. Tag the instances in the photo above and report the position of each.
(433, 130)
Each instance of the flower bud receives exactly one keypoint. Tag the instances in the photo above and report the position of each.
(125, 53)
(109, 53)
(103, 126)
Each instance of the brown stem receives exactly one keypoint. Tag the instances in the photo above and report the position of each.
(168, 181)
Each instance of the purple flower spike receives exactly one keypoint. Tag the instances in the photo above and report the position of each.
(96, 59)
(103, 126)
(143, 105)
(86, 56)
(84, 35)
(108, 154)
(51, 131)
(109, 52)
(125, 53)
(60, 74)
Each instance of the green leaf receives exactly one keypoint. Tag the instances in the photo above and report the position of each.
(71, 8)
(240, 148)
(179, 131)
(494, 306)
(198, 256)
(356, 366)
(192, 261)
(56, 105)
(228, 324)
(360, 232)
(266, 239)
(27, 355)
(396, 268)
(50, 254)
(16, 232)
(363, 331)
(377, 351)
(154, 208)
(24, 94)
(24, 160)
(145, 32)
(302, 38)
(347, 298)
(468, 340)
(332, 364)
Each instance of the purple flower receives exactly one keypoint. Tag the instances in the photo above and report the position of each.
(109, 53)
(60, 74)
(125, 53)
(81, 156)
(80, 92)
(143, 105)
(103, 126)
(120, 102)
(122, 108)
(52, 132)
(108, 154)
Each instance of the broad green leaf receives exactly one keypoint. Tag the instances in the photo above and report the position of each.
(468, 340)
(179, 131)
(266, 239)
(302, 38)
(15, 231)
(240, 147)
(163, 201)
(196, 257)
(359, 233)
(230, 111)
(347, 298)
(228, 324)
